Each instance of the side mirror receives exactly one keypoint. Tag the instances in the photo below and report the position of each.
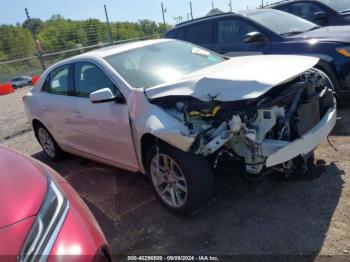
(255, 37)
(105, 95)
(320, 17)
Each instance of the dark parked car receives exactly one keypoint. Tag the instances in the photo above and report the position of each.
(21, 81)
(270, 31)
(321, 12)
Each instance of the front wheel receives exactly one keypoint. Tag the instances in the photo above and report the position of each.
(182, 182)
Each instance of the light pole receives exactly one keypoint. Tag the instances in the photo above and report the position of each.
(191, 10)
(163, 13)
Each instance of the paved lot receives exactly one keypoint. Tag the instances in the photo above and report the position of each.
(307, 215)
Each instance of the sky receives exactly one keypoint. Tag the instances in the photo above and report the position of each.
(12, 11)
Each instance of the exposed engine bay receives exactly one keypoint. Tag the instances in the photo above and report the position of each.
(251, 130)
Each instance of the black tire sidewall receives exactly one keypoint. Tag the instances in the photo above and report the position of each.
(58, 151)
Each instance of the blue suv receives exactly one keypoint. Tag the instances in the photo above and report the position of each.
(322, 12)
(270, 31)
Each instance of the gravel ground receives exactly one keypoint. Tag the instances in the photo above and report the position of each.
(306, 215)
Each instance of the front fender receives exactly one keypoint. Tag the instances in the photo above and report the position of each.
(146, 118)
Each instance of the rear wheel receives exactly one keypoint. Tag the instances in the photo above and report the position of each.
(48, 143)
(182, 182)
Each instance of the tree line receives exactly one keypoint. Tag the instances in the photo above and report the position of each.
(58, 34)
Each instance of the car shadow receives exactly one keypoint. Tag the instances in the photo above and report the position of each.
(275, 217)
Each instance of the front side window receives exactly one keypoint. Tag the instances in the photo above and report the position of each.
(200, 34)
(159, 63)
(58, 81)
(282, 23)
(233, 31)
(89, 78)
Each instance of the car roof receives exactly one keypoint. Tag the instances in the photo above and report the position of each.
(205, 18)
(244, 13)
(255, 11)
(283, 2)
(109, 50)
(115, 49)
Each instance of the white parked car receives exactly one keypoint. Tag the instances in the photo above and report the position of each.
(175, 111)
(21, 81)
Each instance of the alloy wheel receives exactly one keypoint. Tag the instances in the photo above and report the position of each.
(168, 180)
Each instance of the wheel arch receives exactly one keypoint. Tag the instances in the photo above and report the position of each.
(147, 141)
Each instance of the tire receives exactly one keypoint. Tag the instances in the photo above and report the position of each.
(48, 143)
(188, 187)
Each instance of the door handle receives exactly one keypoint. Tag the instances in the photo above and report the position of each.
(44, 107)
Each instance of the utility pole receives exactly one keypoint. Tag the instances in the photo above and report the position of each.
(109, 25)
(191, 10)
(163, 13)
(212, 5)
(230, 5)
(262, 3)
(37, 43)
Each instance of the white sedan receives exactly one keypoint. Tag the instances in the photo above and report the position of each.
(175, 112)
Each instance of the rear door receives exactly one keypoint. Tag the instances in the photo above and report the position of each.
(103, 129)
(58, 107)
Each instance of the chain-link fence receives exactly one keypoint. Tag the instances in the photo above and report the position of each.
(27, 49)
(13, 120)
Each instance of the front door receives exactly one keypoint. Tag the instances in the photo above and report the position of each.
(104, 128)
(230, 38)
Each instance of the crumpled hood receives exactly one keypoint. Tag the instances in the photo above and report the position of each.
(236, 79)
(339, 34)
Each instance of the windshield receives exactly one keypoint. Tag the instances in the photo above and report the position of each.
(159, 63)
(338, 5)
(281, 23)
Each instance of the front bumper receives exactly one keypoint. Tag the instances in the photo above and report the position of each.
(279, 152)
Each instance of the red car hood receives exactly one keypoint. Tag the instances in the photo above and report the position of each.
(22, 186)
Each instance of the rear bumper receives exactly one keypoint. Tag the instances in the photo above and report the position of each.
(282, 151)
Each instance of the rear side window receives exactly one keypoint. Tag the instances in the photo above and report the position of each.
(89, 78)
(58, 81)
(200, 33)
(233, 31)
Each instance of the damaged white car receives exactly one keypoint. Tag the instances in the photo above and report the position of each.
(175, 111)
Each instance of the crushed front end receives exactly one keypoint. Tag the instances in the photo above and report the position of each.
(271, 131)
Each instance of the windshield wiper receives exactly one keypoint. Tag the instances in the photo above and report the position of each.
(345, 11)
(313, 28)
